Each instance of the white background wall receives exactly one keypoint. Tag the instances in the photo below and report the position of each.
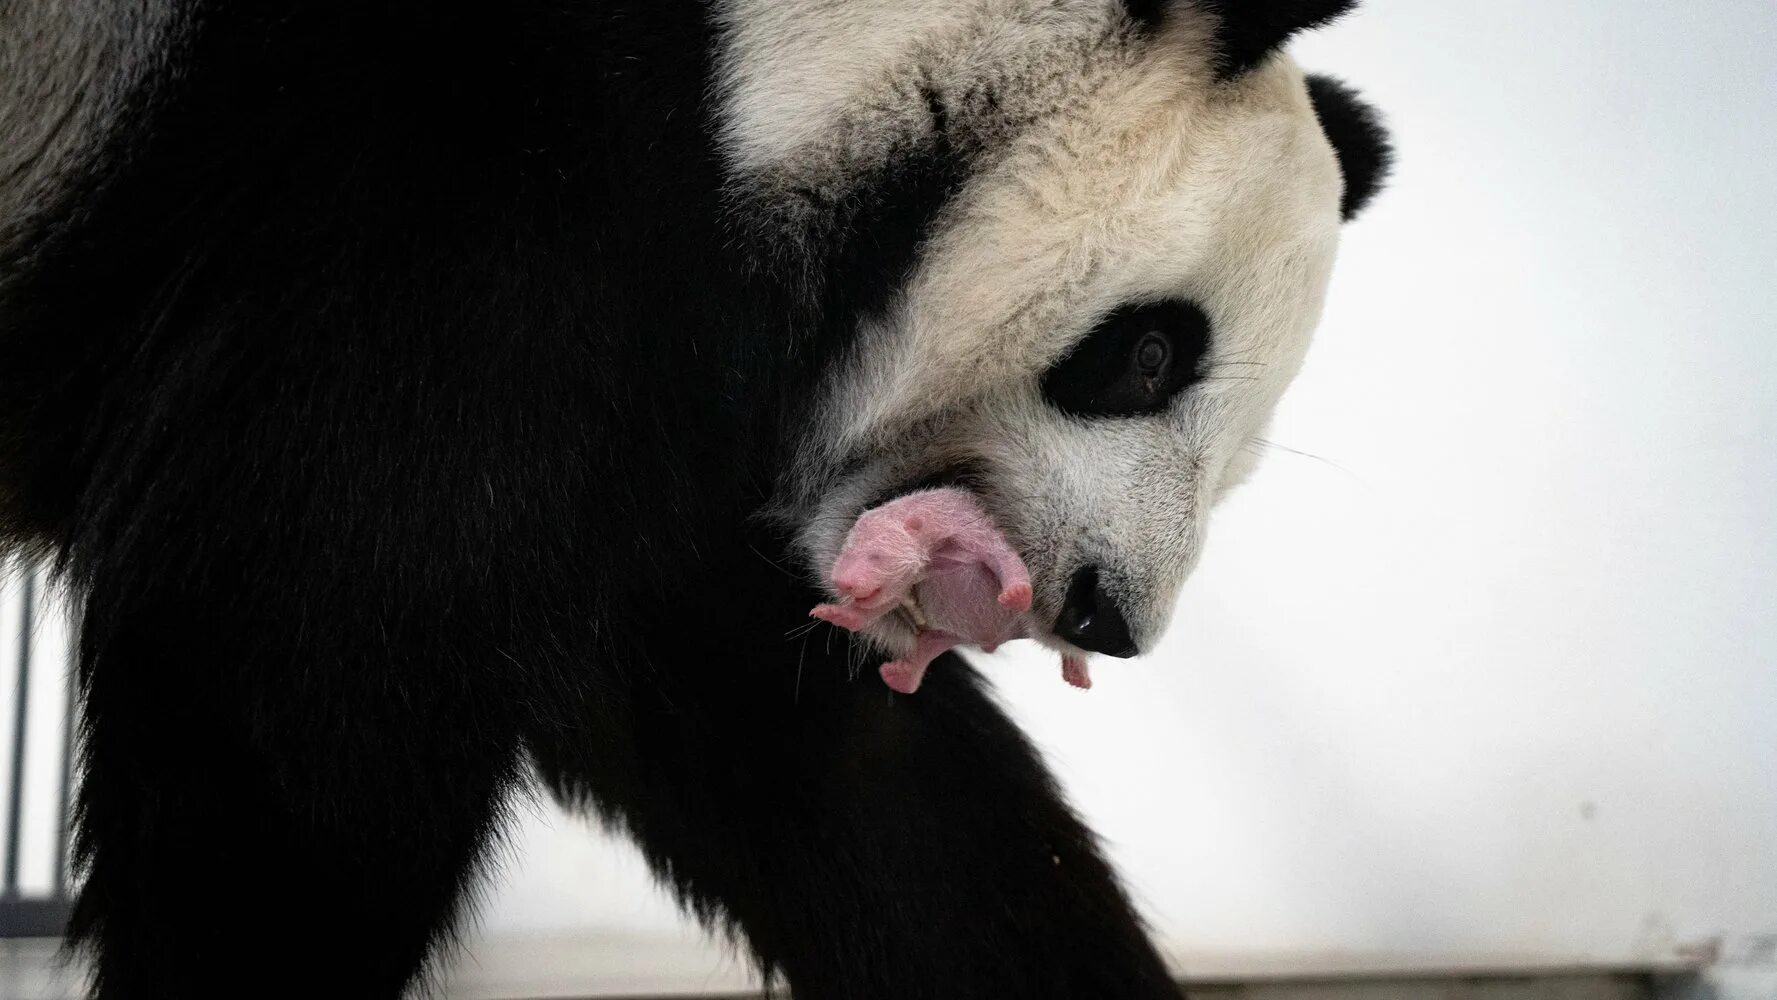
(1497, 671)
(45, 728)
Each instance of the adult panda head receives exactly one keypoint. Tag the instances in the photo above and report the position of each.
(1123, 220)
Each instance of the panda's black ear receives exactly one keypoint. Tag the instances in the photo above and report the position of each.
(1355, 130)
(1247, 30)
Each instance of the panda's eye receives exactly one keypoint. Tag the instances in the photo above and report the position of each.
(1133, 363)
(1151, 353)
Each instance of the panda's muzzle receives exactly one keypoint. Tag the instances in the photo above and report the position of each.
(963, 476)
(1091, 619)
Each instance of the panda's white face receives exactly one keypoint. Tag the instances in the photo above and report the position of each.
(1108, 307)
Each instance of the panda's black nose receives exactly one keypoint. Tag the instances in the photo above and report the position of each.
(1091, 620)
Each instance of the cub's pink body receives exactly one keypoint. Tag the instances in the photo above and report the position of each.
(938, 555)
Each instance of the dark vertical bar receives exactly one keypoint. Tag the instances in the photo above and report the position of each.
(64, 800)
(9, 884)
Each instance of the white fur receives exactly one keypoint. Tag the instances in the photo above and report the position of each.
(817, 92)
(1116, 170)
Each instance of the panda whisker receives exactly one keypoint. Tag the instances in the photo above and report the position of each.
(1273, 445)
(803, 629)
(801, 658)
(772, 562)
(1239, 354)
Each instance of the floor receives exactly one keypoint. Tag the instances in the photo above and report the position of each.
(615, 968)
(1531, 987)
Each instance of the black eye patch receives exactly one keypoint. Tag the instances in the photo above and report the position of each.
(1133, 363)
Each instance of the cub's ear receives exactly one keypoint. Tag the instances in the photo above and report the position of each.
(1355, 130)
(1246, 30)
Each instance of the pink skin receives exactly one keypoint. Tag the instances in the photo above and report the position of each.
(939, 550)
(1073, 670)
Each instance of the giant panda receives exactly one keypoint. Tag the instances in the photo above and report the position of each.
(426, 404)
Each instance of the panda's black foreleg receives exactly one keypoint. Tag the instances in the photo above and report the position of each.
(272, 808)
(868, 844)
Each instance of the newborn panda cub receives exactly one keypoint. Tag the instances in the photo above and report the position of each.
(936, 557)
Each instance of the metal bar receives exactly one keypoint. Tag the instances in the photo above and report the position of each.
(64, 812)
(9, 882)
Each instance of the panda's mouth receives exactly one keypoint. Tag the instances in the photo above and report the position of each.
(968, 476)
(962, 475)
(929, 556)
(1066, 598)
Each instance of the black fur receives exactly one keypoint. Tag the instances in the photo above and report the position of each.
(1355, 129)
(1146, 12)
(1247, 30)
(1102, 376)
(394, 403)
(1250, 30)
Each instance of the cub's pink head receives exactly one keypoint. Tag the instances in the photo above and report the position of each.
(878, 550)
